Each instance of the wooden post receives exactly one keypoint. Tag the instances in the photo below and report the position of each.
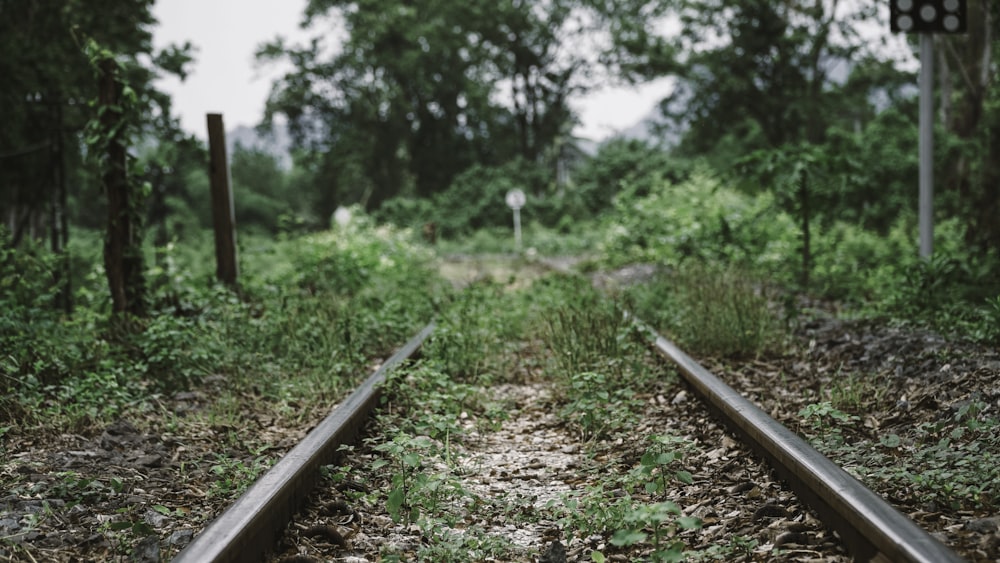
(223, 217)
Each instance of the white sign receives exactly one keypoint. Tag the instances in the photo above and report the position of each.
(516, 199)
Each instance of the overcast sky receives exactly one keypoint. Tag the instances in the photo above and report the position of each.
(224, 78)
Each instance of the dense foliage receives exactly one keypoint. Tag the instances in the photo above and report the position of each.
(320, 306)
(788, 152)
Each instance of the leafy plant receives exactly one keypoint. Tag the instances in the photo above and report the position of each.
(413, 488)
(655, 466)
(234, 476)
(662, 520)
(826, 419)
(597, 405)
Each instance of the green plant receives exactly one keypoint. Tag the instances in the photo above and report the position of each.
(711, 310)
(826, 419)
(855, 392)
(234, 476)
(412, 488)
(655, 465)
(597, 405)
(592, 335)
(662, 520)
(596, 510)
(75, 488)
(426, 401)
(991, 321)
(468, 340)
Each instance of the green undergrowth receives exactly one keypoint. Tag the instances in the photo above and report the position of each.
(948, 464)
(309, 314)
(704, 218)
(711, 310)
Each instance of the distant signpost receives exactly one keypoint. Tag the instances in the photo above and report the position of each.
(516, 200)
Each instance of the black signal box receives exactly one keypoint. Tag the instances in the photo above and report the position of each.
(927, 16)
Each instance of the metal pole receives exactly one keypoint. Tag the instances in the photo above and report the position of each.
(517, 228)
(926, 212)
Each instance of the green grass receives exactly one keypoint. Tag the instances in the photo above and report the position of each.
(711, 311)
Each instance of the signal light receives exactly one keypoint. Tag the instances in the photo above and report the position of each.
(927, 16)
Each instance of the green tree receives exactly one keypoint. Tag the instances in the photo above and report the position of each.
(260, 191)
(44, 181)
(970, 111)
(422, 90)
(760, 70)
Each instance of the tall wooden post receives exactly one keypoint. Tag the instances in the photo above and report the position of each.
(223, 217)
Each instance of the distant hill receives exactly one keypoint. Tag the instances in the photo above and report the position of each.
(642, 130)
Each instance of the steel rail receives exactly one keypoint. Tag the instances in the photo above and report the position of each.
(870, 528)
(251, 526)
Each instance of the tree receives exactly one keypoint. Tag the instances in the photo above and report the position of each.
(421, 90)
(43, 104)
(109, 135)
(970, 112)
(761, 66)
(261, 195)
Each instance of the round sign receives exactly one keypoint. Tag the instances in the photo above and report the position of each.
(516, 199)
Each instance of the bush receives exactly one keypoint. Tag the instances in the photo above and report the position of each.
(475, 199)
(698, 219)
(711, 310)
(625, 166)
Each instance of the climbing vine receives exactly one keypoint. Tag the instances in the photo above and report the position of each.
(107, 136)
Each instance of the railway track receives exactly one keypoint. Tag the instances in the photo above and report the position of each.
(869, 528)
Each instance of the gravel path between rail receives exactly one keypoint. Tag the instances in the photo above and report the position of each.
(535, 458)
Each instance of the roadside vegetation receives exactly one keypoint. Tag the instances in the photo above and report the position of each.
(208, 391)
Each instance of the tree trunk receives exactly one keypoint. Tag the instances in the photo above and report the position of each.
(57, 205)
(973, 174)
(806, 235)
(122, 248)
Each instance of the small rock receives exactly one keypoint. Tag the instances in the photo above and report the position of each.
(147, 550)
(77, 512)
(770, 511)
(180, 538)
(983, 525)
(791, 537)
(679, 398)
(556, 553)
(155, 519)
(152, 460)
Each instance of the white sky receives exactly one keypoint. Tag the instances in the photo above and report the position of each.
(224, 78)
